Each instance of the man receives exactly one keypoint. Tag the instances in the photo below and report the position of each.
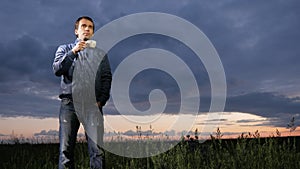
(78, 57)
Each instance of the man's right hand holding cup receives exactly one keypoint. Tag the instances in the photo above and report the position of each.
(81, 45)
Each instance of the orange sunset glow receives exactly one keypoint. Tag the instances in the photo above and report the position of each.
(228, 123)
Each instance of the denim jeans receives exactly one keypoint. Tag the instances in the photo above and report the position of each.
(68, 128)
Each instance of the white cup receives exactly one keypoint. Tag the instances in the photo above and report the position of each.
(91, 43)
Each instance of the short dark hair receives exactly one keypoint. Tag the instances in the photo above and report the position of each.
(84, 17)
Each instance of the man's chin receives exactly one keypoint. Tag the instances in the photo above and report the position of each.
(88, 36)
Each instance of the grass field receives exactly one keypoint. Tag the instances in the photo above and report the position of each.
(241, 153)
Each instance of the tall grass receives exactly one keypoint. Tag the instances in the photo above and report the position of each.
(250, 151)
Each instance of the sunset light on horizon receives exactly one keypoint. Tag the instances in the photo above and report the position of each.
(231, 124)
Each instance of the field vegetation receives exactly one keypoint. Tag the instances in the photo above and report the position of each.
(247, 151)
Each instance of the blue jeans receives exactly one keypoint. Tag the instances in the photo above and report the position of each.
(68, 128)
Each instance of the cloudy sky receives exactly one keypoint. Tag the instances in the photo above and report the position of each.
(257, 41)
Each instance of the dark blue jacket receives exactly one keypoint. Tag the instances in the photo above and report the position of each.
(91, 67)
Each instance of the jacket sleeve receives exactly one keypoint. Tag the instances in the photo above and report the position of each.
(103, 81)
(63, 60)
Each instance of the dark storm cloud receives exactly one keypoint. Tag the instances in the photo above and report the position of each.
(27, 83)
(26, 58)
(147, 80)
(264, 104)
(257, 42)
(279, 109)
(26, 103)
(265, 46)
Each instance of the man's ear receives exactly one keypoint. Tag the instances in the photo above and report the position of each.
(76, 32)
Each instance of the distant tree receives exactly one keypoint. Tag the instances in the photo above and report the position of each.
(291, 125)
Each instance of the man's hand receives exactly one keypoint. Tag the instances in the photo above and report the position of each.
(79, 47)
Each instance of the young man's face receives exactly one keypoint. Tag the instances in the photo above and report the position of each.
(85, 29)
